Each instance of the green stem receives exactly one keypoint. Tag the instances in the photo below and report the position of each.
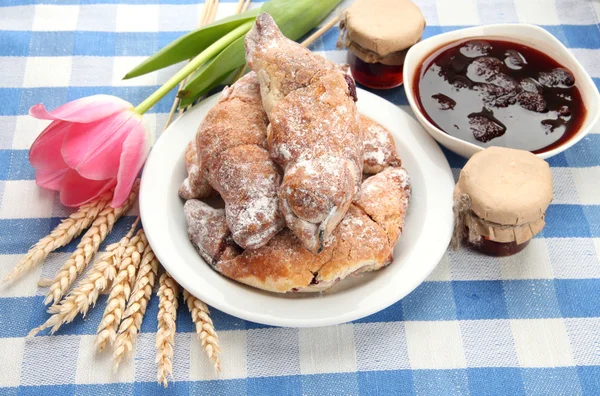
(195, 63)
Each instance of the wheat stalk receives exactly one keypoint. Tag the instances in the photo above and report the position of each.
(64, 233)
(87, 247)
(204, 328)
(168, 293)
(87, 291)
(121, 289)
(136, 306)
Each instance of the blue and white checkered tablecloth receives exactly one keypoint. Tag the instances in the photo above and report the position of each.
(528, 324)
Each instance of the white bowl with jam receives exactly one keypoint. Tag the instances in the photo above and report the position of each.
(508, 85)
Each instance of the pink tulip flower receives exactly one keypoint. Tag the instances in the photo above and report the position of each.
(93, 145)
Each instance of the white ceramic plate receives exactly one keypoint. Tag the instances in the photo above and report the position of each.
(426, 235)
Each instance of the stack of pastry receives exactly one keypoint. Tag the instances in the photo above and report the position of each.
(286, 150)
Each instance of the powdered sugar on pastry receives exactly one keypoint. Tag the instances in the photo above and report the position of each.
(313, 119)
(363, 241)
(379, 147)
(195, 186)
(207, 230)
(232, 146)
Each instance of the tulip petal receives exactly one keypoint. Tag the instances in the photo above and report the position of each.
(45, 150)
(76, 190)
(84, 110)
(94, 150)
(50, 178)
(135, 150)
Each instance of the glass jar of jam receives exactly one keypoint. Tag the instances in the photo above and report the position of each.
(375, 75)
(496, 249)
(500, 201)
(378, 34)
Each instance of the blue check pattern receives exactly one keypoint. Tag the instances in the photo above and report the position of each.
(528, 324)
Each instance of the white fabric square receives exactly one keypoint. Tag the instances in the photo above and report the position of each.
(16, 18)
(467, 264)
(91, 71)
(182, 357)
(588, 191)
(95, 367)
(540, 12)
(12, 69)
(233, 357)
(381, 346)
(137, 18)
(27, 129)
(26, 285)
(531, 263)
(185, 17)
(457, 12)
(588, 59)
(441, 271)
(542, 342)
(50, 360)
(12, 358)
(97, 17)
(49, 270)
(577, 12)
(327, 350)
(574, 258)
(8, 126)
(24, 199)
(596, 7)
(123, 64)
(563, 185)
(488, 343)
(273, 352)
(145, 357)
(47, 71)
(584, 334)
(55, 17)
(435, 345)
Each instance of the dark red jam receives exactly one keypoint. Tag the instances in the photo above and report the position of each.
(498, 249)
(375, 75)
(499, 93)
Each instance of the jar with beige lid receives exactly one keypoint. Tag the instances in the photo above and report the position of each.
(378, 34)
(500, 201)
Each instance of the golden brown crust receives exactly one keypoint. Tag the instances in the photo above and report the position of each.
(280, 266)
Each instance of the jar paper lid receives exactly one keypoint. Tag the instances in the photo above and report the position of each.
(507, 186)
(383, 26)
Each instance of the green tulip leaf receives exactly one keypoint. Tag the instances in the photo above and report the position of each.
(191, 44)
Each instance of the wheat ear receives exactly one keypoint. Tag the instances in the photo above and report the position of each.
(87, 247)
(64, 233)
(121, 289)
(168, 294)
(204, 328)
(86, 293)
(136, 306)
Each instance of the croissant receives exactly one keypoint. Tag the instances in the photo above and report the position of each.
(363, 241)
(313, 134)
(231, 144)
